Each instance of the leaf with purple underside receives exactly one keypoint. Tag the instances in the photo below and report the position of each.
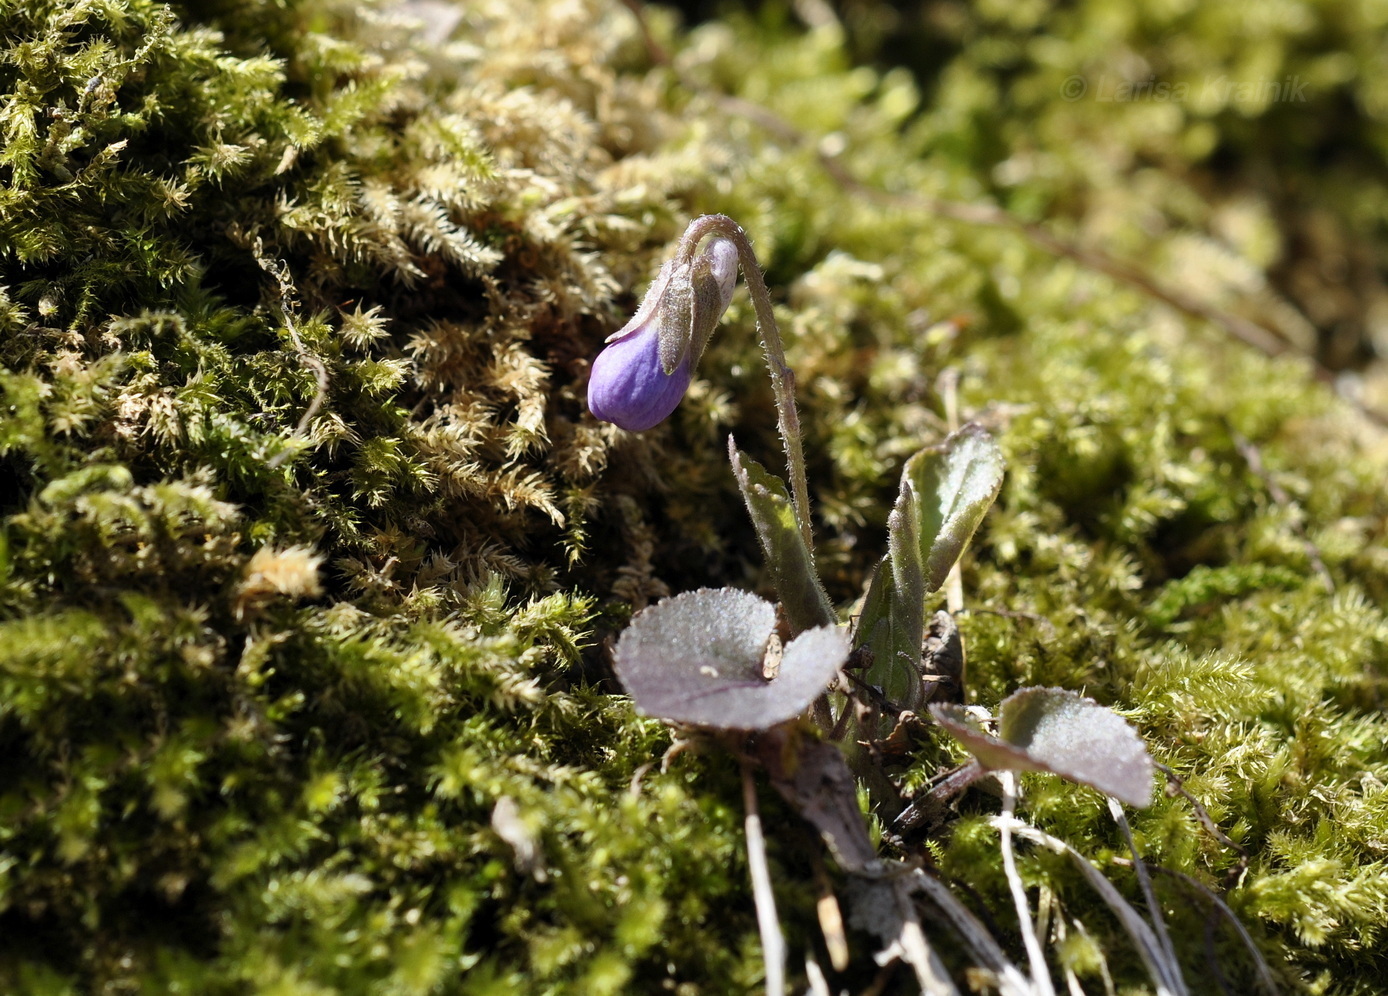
(699, 658)
(1051, 729)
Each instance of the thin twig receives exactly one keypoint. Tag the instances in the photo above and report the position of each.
(932, 801)
(1144, 880)
(320, 373)
(1175, 784)
(1265, 979)
(1032, 617)
(872, 695)
(1250, 333)
(289, 297)
(1254, 458)
(773, 944)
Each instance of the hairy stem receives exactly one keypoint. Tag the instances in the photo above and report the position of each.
(782, 378)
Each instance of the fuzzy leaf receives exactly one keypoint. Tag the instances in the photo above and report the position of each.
(699, 658)
(1051, 729)
(949, 489)
(891, 626)
(945, 492)
(789, 560)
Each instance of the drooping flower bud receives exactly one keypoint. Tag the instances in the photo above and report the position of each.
(645, 368)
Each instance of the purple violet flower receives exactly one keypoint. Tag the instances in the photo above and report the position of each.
(642, 373)
(627, 386)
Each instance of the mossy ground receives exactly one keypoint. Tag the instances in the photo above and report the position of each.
(305, 282)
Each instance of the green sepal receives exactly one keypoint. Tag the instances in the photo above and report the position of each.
(674, 315)
(706, 304)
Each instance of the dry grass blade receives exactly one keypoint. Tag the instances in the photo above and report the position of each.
(1144, 879)
(773, 944)
(1165, 973)
(981, 944)
(1264, 971)
(916, 950)
(1040, 974)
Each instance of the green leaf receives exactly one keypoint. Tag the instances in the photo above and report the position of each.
(1055, 730)
(891, 626)
(948, 489)
(789, 560)
(945, 492)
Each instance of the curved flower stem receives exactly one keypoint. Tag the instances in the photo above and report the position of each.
(782, 378)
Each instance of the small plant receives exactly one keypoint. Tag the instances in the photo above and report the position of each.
(814, 714)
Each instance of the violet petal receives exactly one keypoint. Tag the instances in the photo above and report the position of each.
(628, 388)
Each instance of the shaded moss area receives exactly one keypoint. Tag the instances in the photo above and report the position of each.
(310, 547)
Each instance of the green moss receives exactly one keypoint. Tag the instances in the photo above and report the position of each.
(223, 791)
(309, 546)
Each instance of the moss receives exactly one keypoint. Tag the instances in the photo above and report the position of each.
(294, 312)
(309, 546)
